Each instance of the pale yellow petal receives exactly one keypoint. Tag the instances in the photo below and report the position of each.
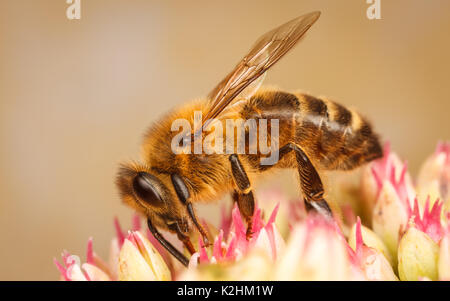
(417, 256)
(376, 267)
(389, 218)
(255, 266)
(113, 261)
(74, 273)
(316, 255)
(154, 259)
(132, 265)
(444, 258)
(94, 273)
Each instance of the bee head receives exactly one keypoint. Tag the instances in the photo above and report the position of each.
(152, 195)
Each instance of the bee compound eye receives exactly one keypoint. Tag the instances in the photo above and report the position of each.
(144, 188)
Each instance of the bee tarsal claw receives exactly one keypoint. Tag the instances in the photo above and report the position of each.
(249, 233)
(206, 242)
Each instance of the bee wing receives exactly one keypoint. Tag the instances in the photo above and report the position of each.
(264, 54)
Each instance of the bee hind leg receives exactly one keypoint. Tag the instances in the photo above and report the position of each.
(311, 184)
(310, 181)
(243, 196)
(246, 205)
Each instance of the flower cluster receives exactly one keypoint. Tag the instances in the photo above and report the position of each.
(265, 236)
(133, 256)
(408, 218)
(386, 227)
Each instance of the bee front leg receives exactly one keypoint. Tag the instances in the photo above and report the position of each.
(244, 195)
(184, 196)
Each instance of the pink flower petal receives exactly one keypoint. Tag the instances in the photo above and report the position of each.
(377, 178)
(274, 214)
(231, 252)
(217, 247)
(90, 252)
(359, 239)
(62, 270)
(119, 233)
(202, 250)
(133, 239)
(239, 229)
(430, 222)
(225, 221)
(258, 223)
(237, 243)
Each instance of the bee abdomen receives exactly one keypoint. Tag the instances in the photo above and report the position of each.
(335, 136)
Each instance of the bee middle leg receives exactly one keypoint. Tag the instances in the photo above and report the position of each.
(243, 195)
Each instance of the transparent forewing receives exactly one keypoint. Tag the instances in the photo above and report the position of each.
(264, 54)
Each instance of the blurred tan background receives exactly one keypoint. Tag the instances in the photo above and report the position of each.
(76, 96)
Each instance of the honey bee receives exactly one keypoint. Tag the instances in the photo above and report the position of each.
(314, 134)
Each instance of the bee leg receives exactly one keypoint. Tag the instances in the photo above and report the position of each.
(310, 181)
(245, 204)
(244, 196)
(185, 240)
(183, 194)
(167, 245)
(199, 227)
